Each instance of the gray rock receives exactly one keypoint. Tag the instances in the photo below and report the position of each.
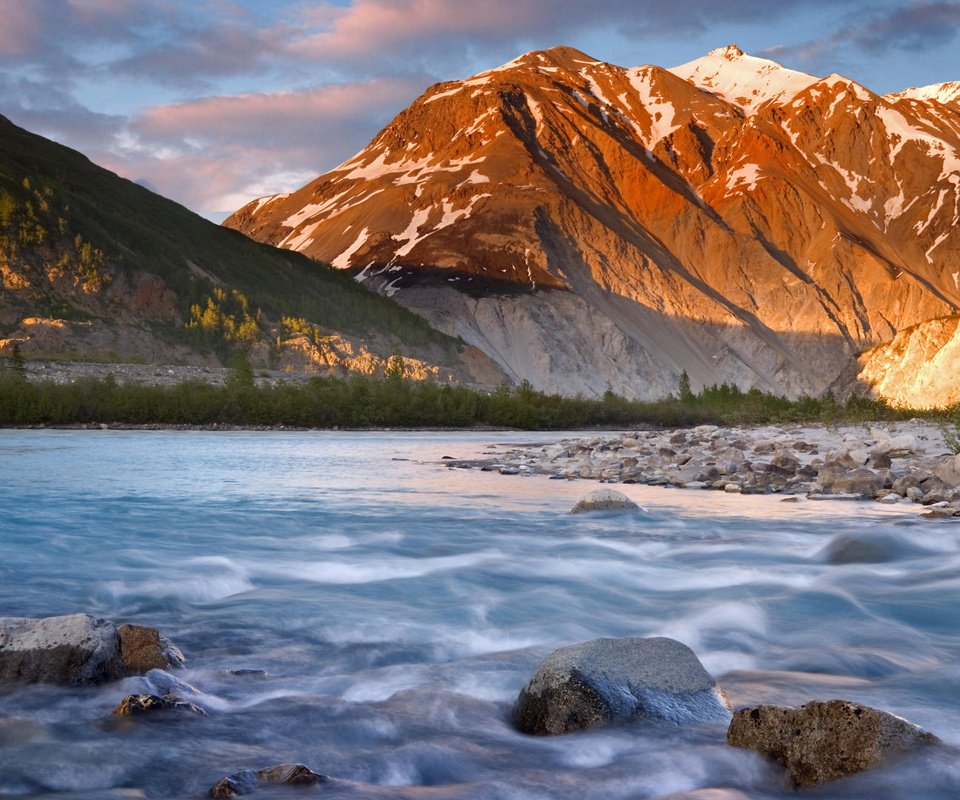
(839, 479)
(869, 547)
(72, 649)
(604, 500)
(146, 648)
(248, 781)
(607, 681)
(823, 741)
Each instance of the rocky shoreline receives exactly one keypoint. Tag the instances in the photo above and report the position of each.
(907, 462)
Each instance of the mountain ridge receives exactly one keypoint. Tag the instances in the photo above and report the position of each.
(763, 239)
(95, 266)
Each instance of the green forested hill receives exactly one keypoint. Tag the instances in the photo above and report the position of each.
(80, 245)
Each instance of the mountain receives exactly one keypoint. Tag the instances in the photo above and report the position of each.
(94, 266)
(592, 226)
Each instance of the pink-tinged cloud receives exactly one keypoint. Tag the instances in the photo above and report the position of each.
(21, 26)
(218, 153)
(381, 28)
(302, 116)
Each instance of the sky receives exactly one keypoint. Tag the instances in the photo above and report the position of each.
(215, 102)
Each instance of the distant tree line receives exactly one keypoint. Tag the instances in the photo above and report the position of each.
(394, 401)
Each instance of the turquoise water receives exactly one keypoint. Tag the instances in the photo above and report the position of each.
(398, 607)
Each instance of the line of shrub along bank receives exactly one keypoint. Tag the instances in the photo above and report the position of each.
(364, 402)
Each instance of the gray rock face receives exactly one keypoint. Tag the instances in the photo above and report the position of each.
(823, 741)
(72, 649)
(607, 681)
(248, 780)
(837, 479)
(604, 500)
(146, 648)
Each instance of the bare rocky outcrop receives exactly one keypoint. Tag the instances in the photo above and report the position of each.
(607, 681)
(917, 368)
(74, 649)
(824, 741)
(248, 781)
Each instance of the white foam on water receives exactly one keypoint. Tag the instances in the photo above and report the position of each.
(384, 684)
(375, 570)
(203, 579)
(695, 628)
(599, 750)
(332, 541)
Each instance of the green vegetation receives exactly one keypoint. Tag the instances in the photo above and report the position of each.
(360, 402)
(951, 433)
(36, 236)
(59, 211)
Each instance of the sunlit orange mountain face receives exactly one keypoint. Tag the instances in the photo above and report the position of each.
(591, 226)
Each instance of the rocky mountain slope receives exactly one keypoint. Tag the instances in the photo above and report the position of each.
(96, 267)
(592, 226)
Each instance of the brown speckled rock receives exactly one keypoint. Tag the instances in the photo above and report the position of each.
(823, 741)
(248, 780)
(145, 648)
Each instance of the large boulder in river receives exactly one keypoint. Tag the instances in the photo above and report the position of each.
(72, 649)
(607, 681)
(823, 741)
(604, 500)
(146, 648)
(248, 780)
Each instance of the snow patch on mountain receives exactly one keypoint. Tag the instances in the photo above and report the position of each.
(662, 112)
(744, 80)
(947, 93)
(342, 261)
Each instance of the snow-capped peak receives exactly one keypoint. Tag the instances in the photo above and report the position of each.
(742, 79)
(939, 92)
(730, 52)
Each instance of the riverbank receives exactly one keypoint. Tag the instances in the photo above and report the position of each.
(887, 461)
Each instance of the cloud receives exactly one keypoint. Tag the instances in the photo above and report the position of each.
(218, 152)
(122, 80)
(916, 27)
(398, 29)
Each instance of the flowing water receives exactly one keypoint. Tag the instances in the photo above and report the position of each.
(398, 607)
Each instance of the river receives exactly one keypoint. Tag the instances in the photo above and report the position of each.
(397, 607)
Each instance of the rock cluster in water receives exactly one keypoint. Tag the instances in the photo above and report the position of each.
(79, 649)
(136, 704)
(886, 462)
(618, 681)
(591, 684)
(247, 781)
